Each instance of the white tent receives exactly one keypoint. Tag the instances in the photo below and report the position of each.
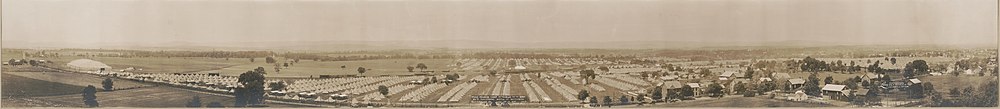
(87, 64)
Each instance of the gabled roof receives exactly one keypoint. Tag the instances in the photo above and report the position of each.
(781, 76)
(872, 75)
(765, 79)
(727, 74)
(668, 77)
(797, 81)
(833, 87)
(694, 85)
(672, 85)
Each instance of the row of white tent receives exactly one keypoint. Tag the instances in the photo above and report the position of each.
(420, 93)
(457, 92)
(502, 87)
(616, 84)
(566, 91)
(535, 93)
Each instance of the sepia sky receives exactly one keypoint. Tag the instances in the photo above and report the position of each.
(837, 21)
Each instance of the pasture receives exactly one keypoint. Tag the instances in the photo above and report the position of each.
(155, 97)
(20, 86)
(75, 79)
(160, 65)
(305, 68)
(944, 83)
(739, 102)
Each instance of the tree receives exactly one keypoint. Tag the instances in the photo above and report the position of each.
(90, 96)
(608, 101)
(715, 90)
(872, 95)
(409, 68)
(108, 84)
(604, 68)
(583, 95)
(657, 93)
(748, 92)
(593, 101)
(812, 85)
(383, 90)
(740, 88)
(767, 86)
(421, 66)
(624, 100)
(252, 92)
(270, 60)
(343, 66)
(286, 65)
(916, 91)
(687, 91)
(195, 102)
(828, 80)
(280, 85)
(893, 61)
(251, 59)
(361, 70)
(641, 99)
(215, 105)
(954, 92)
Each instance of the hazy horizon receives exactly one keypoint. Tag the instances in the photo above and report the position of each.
(835, 22)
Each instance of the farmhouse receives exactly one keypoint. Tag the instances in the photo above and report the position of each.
(671, 85)
(735, 82)
(834, 91)
(696, 87)
(726, 75)
(796, 83)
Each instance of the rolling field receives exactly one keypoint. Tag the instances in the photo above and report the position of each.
(738, 102)
(160, 65)
(944, 83)
(158, 97)
(822, 75)
(19, 86)
(378, 67)
(74, 79)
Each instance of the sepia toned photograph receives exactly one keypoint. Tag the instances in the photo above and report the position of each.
(499, 53)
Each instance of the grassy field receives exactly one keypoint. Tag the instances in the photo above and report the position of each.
(19, 86)
(823, 75)
(157, 97)
(944, 83)
(160, 65)
(80, 80)
(378, 67)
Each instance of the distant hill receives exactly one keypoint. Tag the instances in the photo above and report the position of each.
(432, 44)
